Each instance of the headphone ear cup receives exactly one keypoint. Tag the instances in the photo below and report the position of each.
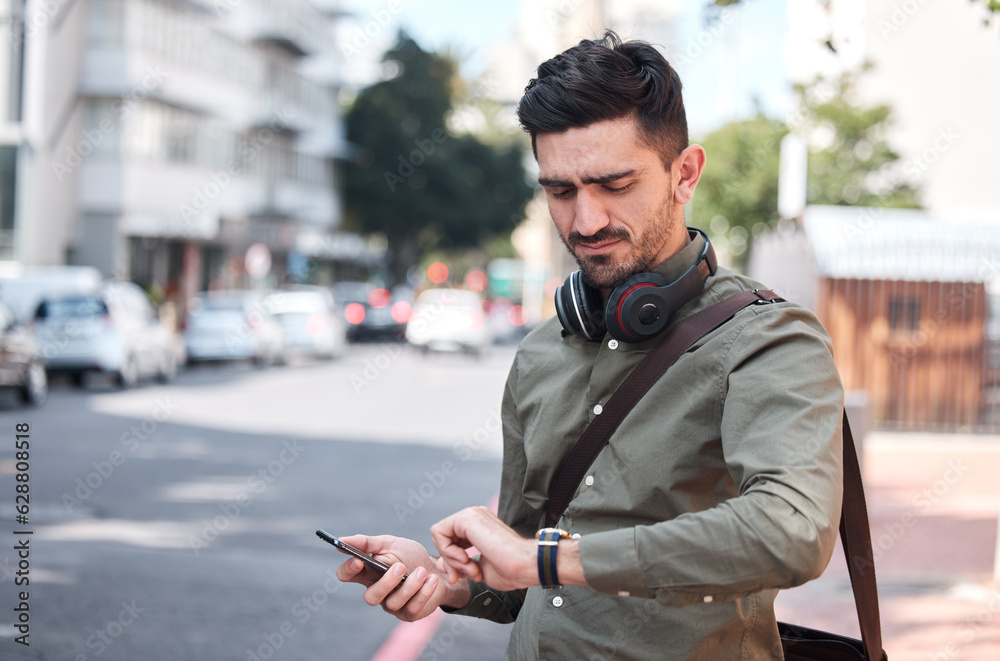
(579, 308)
(636, 309)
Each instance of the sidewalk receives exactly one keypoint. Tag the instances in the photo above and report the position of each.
(934, 502)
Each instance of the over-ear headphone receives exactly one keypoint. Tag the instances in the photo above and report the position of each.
(639, 308)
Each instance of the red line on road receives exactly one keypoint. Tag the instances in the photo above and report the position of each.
(409, 639)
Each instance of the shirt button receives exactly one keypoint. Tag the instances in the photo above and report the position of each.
(598, 409)
(557, 602)
(613, 344)
(487, 601)
(708, 599)
(589, 481)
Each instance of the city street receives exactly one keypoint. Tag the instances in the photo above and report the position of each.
(177, 522)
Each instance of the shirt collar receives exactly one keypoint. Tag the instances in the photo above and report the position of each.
(677, 264)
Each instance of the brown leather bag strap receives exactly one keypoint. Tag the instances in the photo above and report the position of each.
(675, 342)
(855, 534)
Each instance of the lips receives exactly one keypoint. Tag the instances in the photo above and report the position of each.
(598, 248)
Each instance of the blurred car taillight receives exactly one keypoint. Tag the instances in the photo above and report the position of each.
(317, 324)
(354, 313)
(401, 311)
(379, 298)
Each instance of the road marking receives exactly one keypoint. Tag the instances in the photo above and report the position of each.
(409, 639)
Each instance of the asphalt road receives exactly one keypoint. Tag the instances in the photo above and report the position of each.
(177, 521)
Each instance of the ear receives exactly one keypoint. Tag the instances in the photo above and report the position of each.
(687, 168)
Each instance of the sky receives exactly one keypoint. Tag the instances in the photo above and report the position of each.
(724, 66)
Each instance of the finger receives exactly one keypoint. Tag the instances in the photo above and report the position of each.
(417, 605)
(469, 568)
(361, 542)
(399, 597)
(349, 571)
(379, 590)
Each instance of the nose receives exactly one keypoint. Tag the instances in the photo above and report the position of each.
(590, 214)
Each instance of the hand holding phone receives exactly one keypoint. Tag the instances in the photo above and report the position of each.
(347, 549)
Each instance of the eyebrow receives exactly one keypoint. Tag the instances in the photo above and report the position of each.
(598, 179)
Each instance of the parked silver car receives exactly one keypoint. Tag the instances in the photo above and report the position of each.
(312, 324)
(233, 325)
(115, 331)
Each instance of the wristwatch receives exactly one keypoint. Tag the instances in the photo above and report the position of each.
(548, 548)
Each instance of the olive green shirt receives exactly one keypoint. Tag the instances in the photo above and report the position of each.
(721, 486)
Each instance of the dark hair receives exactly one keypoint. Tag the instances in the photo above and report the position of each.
(602, 79)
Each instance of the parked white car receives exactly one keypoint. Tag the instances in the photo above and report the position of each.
(233, 325)
(449, 320)
(311, 323)
(115, 331)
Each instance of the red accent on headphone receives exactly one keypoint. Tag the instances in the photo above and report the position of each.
(621, 302)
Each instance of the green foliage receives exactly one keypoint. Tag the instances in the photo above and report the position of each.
(852, 164)
(849, 164)
(738, 192)
(413, 180)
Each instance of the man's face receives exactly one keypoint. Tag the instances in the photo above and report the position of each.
(611, 200)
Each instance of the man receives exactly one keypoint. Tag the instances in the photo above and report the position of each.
(721, 486)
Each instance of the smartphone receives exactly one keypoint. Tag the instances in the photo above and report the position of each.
(366, 558)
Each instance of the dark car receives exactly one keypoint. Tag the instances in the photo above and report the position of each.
(373, 312)
(21, 365)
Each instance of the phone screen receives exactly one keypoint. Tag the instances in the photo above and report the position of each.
(346, 548)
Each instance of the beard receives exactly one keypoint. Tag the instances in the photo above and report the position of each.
(603, 271)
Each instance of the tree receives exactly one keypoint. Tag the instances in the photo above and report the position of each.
(415, 181)
(738, 192)
(850, 161)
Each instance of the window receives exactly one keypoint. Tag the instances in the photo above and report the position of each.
(904, 314)
(106, 25)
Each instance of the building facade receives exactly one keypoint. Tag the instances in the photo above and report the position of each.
(157, 140)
